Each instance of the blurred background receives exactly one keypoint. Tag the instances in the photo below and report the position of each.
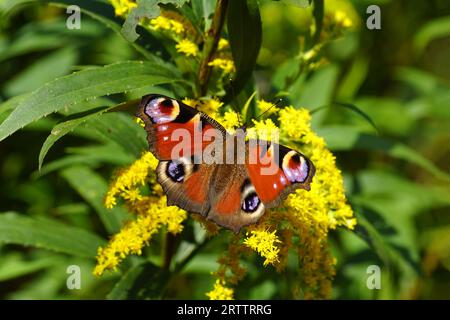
(397, 178)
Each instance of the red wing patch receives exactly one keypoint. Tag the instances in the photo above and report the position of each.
(266, 176)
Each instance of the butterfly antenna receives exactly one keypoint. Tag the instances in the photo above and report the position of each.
(276, 104)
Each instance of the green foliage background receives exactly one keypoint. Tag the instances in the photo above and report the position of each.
(396, 79)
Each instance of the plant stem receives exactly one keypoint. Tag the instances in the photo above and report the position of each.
(170, 247)
(211, 43)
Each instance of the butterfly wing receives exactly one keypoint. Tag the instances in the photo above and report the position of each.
(173, 126)
(276, 170)
(242, 192)
(185, 183)
(234, 202)
(232, 195)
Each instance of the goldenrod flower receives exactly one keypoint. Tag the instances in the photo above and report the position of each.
(294, 123)
(223, 44)
(342, 19)
(167, 24)
(266, 107)
(139, 121)
(230, 120)
(123, 7)
(187, 47)
(136, 234)
(306, 215)
(126, 181)
(227, 65)
(190, 102)
(210, 106)
(265, 243)
(264, 129)
(220, 292)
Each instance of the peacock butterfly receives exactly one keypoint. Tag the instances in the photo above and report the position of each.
(225, 177)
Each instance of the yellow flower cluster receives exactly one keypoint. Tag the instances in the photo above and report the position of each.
(266, 107)
(230, 120)
(127, 181)
(341, 18)
(223, 44)
(187, 47)
(309, 214)
(123, 7)
(264, 129)
(227, 65)
(220, 292)
(152, 215)
(210, 106)
(167, 24)
(265, 243)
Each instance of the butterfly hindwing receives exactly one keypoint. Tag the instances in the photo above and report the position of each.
(234, 202)
(186, 184)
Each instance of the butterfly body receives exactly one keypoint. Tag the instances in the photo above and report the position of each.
(225, 177)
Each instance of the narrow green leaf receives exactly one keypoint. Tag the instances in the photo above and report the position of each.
(93, 157)
(14, 265)
(122, 130)
(353, 108)
(144, 281)
(48, 234)
(92, 187)
(45, 69)
(434, 29)
(347, 138)
(392, 255)
(244, 29)
(297, 3)
(83, 85)
(63, 128)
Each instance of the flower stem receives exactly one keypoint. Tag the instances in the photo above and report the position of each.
(211, 43)
(170, 247)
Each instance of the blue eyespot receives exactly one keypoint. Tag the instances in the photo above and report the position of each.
(251, 203)
(175, 171)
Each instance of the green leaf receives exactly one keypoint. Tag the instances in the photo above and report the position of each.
(205, 10)
(122, 130)
(9, 105)
(48, 234)
(392, 255)
(244, 29)
(347, 138)
(83, 85)
(436, 28)
(353, 108)
(91, 156)
(63, 128)
(297, 3)
(45, 69)
(317, 91)
(14, 265)
(144, 281)
(145, 9)
(92, 187)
